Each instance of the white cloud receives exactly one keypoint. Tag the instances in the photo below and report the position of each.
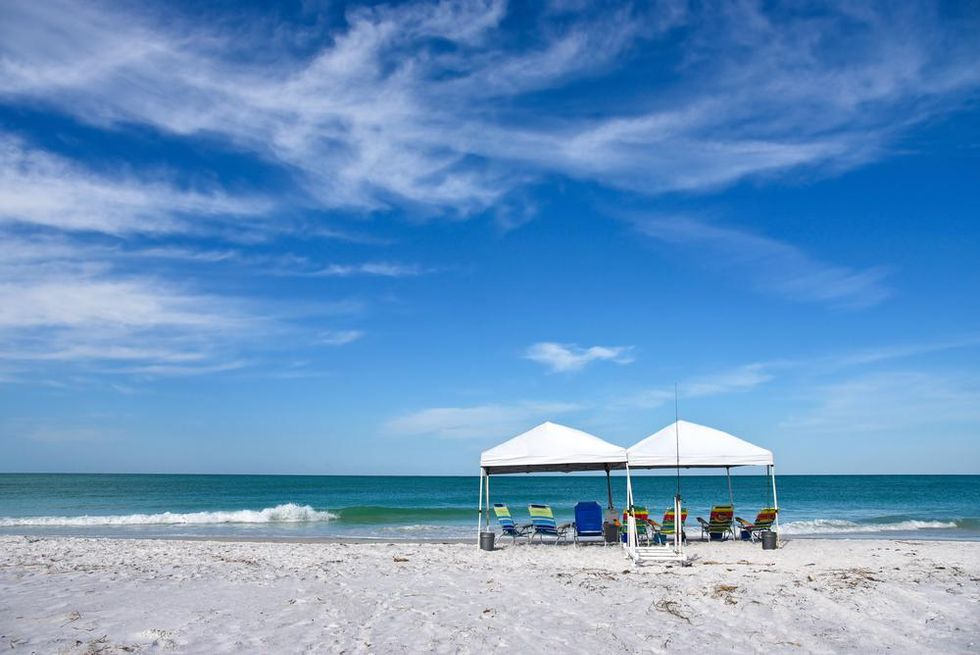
(769, 265)
(68, 303)
(743, 378)
(130, 303)
(104, 322)
(886, 353)
(379, 269)
(736, 380)
(41, 189)
(747, 377)
(562, 358)
(646, 399)
(477, 422)
(275, 263)
(378, 116)
(892, 402)
(339, 337)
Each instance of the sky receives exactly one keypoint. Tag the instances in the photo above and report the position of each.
(328, 238)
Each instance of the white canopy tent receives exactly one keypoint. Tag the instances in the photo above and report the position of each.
(690, 445)
(549, 447)
(683, 444)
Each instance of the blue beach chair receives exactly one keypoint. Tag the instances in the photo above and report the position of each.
(507, 526)
(543, 524)
(588, 521)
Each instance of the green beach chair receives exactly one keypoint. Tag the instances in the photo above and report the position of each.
(543, 524)
(719, 523)
(763, 522)
(508, 528)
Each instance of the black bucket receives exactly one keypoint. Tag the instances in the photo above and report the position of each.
(768, 540)
(486, 540)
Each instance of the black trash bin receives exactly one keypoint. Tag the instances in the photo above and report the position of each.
(486, 540)
(768, 540)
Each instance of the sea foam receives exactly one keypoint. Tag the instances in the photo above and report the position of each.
(825, 526)
(287, 513)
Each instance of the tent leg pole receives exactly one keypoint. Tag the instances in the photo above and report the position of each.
(775, 502)
(630, 519)
(487, 487)
(677, 524)
(479, 512)
(731, 496)
(609, 487)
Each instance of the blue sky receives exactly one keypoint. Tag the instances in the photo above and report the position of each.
(379, 238)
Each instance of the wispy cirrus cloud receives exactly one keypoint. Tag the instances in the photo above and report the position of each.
(742, 378)
(758, 92)
(747, 377)
(339, 337)
(768, 265)
(40, 189)
(476, 422)
(434, 108)
(280, 263)
(563, 358)
(889, 352)
(64, 302)
(733, 380)
(890, 401)
(379, 269)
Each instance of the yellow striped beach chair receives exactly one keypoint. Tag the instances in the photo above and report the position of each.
(543, 524)
(508, 528)
(644, 526)
(666, 529)
(719, 524)
(763, 522)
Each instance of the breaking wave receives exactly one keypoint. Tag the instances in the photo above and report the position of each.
(825, 526)
(288, 513)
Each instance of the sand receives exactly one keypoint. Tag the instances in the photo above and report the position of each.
(64, 595)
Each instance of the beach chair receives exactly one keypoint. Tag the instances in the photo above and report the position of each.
(719, 523)
(543, 524)
(507, 526)
(644, 527)
(763, 522)
(588, 521)
(666, 529)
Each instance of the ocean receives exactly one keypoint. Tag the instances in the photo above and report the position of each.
(414, 507)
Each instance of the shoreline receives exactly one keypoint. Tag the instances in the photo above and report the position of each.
(259, 539)
(78, 595)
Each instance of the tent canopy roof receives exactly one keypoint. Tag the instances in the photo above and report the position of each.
(553, 447)
(699, 446)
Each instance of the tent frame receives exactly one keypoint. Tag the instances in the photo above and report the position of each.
(483, 512)
(546, 448)
(640, 554)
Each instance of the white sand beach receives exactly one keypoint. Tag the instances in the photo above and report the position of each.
(67, 595)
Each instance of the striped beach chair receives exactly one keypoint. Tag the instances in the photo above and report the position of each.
(507, 526)
(543, 524)
(763, 522)
(719, 523)
(644, 526)
(666, 529)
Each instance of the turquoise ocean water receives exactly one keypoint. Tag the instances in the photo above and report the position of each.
(913, 506)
